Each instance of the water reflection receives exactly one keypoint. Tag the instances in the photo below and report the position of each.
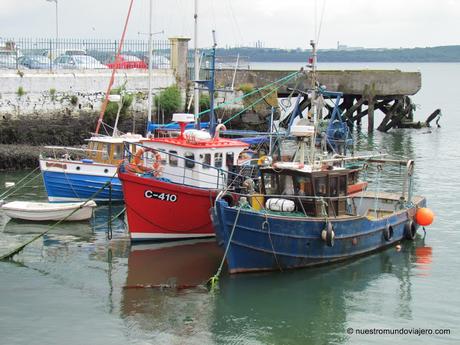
(311, 306)
(164, 298)
(160, 302)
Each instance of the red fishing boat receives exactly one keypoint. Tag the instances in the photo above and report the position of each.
(171, 183)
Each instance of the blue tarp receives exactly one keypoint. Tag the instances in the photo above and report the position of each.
(254, 140)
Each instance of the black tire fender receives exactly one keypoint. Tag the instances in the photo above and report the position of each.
(410, 230)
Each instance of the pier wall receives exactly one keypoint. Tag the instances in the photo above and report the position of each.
(41, 93)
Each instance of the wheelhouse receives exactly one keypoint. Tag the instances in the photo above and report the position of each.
(199, 163)
(110, 150)
(328, 189)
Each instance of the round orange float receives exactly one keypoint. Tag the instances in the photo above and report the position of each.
(424, 216)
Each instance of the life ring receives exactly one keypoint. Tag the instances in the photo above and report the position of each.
(328, 234)
(388, 233)
(410, 230)
(137, 157)
(157, 168)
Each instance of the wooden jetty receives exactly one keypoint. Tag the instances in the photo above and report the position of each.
(364, 92)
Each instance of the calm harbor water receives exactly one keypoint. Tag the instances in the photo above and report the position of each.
(76, 287)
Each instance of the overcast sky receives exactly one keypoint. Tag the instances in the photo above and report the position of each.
(277, 23)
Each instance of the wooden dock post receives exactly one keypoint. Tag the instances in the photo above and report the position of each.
(370, 114)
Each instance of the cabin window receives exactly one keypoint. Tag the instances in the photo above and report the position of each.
(91, 148)
(163, 156)
(302, 185)
(270, 184)
(189, 163)
(218, 159)
(206, 159)
(105, 152)
(287, 185)
(334, 186)
(173, 161)
(343, 185)
(229, 159)
(321, 186)
(118, 151)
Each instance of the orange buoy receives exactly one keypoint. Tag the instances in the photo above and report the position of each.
(424, 216)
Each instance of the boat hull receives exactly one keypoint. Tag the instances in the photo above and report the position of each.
(265, 242)
(41, 212)
(70, 181)
(159, 210)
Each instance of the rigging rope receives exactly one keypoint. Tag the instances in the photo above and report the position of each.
(288, 77)
(257, 101)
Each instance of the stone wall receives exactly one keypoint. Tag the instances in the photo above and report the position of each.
(31, 92)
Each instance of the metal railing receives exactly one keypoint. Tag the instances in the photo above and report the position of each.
(214, 178)
(51, 55)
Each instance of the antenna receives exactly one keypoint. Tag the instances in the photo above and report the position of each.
(214, 38)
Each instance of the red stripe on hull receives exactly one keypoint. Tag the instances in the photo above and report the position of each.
(162, 210)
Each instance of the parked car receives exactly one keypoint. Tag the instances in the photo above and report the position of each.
(126, 62)
(158, 61)
(55, 53)
(34, 61)
(77, 62)
(8, 60)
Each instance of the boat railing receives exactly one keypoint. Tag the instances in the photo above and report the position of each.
(208, 177)
(67, 152)
(358, 204)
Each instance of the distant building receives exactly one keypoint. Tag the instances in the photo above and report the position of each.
(345, 47)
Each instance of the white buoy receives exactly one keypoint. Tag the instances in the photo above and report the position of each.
(9, 184)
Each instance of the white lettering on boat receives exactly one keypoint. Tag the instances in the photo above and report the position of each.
(160, 196)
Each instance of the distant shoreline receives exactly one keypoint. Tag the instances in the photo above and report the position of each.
(429, 54)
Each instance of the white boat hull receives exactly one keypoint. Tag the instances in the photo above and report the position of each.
(36, 211)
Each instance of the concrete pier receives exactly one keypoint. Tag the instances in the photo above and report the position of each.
(384, 90)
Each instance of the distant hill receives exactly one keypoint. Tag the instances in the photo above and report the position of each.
(429, 54)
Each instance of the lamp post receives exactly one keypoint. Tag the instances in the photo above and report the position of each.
(57, 22)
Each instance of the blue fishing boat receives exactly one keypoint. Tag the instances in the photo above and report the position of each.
(306, 218)
(312, 210)
(75, 174)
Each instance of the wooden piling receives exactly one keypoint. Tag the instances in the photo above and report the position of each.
(370, 114)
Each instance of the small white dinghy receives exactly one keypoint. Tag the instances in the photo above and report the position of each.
(42, 211)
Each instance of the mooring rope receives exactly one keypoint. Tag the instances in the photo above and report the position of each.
(22, 246)
(17, 187)
(214, 280)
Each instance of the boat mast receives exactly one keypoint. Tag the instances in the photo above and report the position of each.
(196, 95)
(314, 109)
(212, 119)
(149, 97)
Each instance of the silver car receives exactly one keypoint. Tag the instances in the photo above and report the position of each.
(77, 62)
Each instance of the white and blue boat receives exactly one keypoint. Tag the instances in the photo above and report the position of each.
(71, 179)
